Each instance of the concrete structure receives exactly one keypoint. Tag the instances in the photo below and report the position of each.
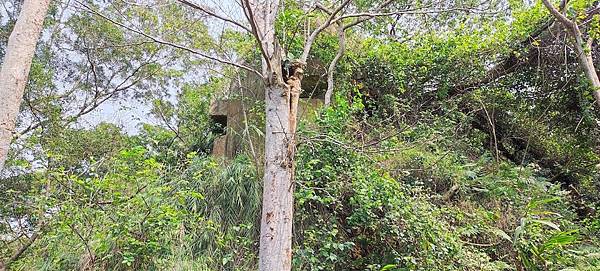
(240, 114)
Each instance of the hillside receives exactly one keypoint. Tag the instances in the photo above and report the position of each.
(425, 135)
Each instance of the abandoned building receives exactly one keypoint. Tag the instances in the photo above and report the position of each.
(235, 111)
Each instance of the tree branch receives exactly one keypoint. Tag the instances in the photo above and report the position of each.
(333, 64)
(213, 14)
(313, 36)
(250, 16)
(559, 16)
(506, 66)
(15, 256)
(163, 42)
(342, 47)
(414, 11)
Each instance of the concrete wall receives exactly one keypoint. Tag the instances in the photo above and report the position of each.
(238, 103)
(240, 136)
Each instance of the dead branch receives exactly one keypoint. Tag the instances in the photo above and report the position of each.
(249, 13)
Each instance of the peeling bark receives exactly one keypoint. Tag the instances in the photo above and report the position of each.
(281, 101)
(294, 83)
(278, 191)
(583, 48)
(277, 207)
(16, 66)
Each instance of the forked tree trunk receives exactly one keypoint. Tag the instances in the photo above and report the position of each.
(15, 67)
(281, 100)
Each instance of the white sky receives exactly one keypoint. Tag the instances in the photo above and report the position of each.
(129, 113)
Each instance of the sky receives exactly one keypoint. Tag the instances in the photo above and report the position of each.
(129, 113)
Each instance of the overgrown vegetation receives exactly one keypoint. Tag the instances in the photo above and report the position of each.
(429, 158)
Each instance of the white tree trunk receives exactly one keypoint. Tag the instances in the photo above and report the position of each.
(584, 52)
(583, 48)
(15, 67)
(278, 199)
(275, 252)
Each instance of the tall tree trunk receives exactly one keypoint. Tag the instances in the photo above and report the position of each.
(278, 192)
(584, 49)
(278, 200)
(281, 100)
(15, 69)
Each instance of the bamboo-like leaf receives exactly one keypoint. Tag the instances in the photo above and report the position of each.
(547, 223)
(502, 234)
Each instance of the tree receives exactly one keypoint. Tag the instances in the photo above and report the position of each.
(281, 97)
(378, 190)
(15, 68)
(583, 47)
(81, 64)
(282, 91)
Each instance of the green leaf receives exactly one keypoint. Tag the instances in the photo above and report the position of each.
(388, 267)
(502, 234)
(547, 223)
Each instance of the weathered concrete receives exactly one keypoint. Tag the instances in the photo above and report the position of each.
(237, 105)
(230, 114)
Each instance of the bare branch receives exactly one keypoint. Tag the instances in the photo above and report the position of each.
(333, 64)
(342, 47)
(178, 46)
(559, 16)
(213, 14)
(100, 96)
(414, 11)
(313, 36)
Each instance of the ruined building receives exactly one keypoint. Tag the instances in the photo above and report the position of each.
(239, 112)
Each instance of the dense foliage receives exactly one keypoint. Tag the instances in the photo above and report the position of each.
(468, 144)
